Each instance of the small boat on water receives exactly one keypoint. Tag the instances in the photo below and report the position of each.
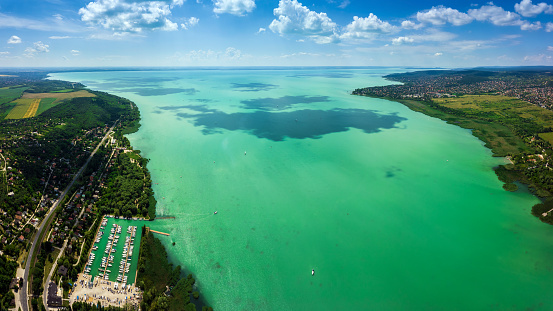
(313, 272)
(215, 213)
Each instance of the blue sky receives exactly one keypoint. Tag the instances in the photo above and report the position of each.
(275, 33)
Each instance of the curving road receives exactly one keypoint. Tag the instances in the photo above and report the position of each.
(45, 223)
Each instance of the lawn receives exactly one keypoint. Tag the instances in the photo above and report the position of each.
(48, 264)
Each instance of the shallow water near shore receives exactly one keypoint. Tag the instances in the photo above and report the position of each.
(394, 210)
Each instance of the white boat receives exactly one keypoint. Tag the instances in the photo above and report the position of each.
(313, 272)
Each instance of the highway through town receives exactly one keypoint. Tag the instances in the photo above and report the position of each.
(45, 224)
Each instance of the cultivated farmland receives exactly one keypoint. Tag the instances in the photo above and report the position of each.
(59, 96)
(21, 108)
(32, 104)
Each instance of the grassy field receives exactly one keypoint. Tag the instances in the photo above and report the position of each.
(20, 109)
(547, 137)
(45, 104)
(32, 104)
(8, 94)
(502, 106)
(64, 91)
(59, 97)
(499, 138)
(48, 264)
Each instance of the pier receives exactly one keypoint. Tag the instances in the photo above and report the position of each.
(158, 232)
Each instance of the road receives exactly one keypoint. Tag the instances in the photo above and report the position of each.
(45, 293)
(45, 223)
(5, 171)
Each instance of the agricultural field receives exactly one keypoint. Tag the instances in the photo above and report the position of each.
(8, 94)
(501, 107)
(547, 137)
(23, 109)
(59, 96)
(45, 104)
(32, 104)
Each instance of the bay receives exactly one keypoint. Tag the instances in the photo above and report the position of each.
(393, 210)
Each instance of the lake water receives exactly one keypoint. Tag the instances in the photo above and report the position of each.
(393, 210)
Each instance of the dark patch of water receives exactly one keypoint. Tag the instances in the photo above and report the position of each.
(281, 103)
(152, 91)
(298, 124)
(252, 87)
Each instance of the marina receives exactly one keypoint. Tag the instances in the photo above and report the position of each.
(114, 255)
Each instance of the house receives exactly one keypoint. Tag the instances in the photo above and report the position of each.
(21, 238)
(53, 299)
(14, 283)
(62, 270)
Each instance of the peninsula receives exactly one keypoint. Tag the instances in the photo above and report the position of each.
(509, 109)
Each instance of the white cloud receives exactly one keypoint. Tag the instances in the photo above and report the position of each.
(134, 17)
(234, 7)
(530, 26)
(230, 54)
(191, 22)
(538, 59)
(496, 15)
(550, 48)
(41, 47)
(75, 52)
(303, 54)
(296, 19)
(401, 40)
(549, 27)
(4, 53)
(366, 28)
(14, 40)
(59, 37)
(233, 53)
(411, 25)
(440, 15)
(438, 54)
(527, 9)
(38, 47)
(434, 36)
(45, 24)
(344, 4)
(261, 30)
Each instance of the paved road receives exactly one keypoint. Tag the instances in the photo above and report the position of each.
(23, 294)
(45, 293)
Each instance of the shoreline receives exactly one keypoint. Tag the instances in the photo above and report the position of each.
(201, 301)
(411, 106)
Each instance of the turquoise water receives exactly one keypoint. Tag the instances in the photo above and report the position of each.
(393, 209)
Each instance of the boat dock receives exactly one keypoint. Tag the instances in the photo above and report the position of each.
(158, 232)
